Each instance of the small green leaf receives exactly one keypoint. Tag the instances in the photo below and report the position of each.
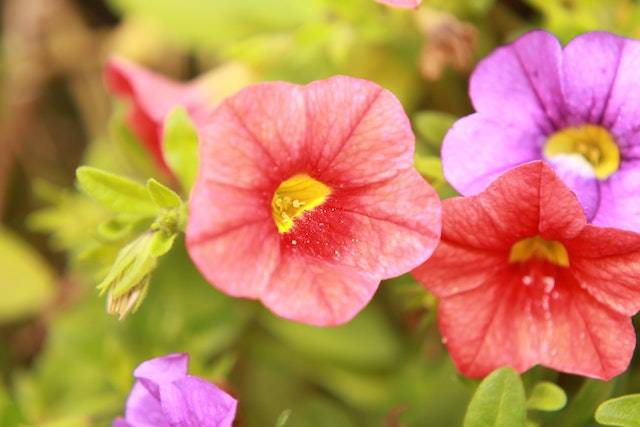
(622, 411)
(115, 192)
(162, 195)
(25, 279)
(283, 418)
(161, 243)
(432, 126)
(180, 145)
(547, 396)
(499, 401)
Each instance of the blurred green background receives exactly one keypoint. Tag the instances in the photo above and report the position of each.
(65, 362)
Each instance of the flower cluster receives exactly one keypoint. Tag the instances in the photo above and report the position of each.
(307, 198)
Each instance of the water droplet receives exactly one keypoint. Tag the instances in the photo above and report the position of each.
(554, 352)
(527, 280)
(293, 242)
(444, 340)
(549, 283)
(555, 295)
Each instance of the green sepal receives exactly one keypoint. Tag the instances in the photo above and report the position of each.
(161, 243)
(163, 196)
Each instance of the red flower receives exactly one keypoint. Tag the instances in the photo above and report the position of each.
(153, 97)
(307, 198)
(404, 4)
(523, 280)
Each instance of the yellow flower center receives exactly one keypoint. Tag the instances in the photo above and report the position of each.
(537, 247)
(593, 143)
(294, 197)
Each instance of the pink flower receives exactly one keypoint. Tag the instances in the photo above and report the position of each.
(404, 4)
(165, 395)
(152, 97)
(307, 197)
(522, 279)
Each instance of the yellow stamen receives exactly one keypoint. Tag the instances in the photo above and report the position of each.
(537, 247)
(294, 197)
(594, 143)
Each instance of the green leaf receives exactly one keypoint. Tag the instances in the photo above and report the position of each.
(161, 243)
(432, 126)
(180, 145)
(283, 418)
(622, 411)
(25, 279)
(162, 195)
(547, 396)
(120, 194)
(498, 402)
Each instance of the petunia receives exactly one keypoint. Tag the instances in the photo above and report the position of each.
(164, 395)
(576, 108)
(307, 198)
(404, 4)
(522, 279)
(152, 97)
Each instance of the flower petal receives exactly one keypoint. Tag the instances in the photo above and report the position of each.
(479, 148)
(500, 324)
(193, 402)
(620, 199)
(232, 239)
(317, 292)
(606, 263)
(590, 68)
(154, 372)
(143, 409)
(521, 82)
(120, 422)
(358, 132)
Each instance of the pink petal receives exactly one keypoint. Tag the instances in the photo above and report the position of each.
(405, 4)
(316, 292)
(193, 402)
(479, 148)
(521, 82)
(358, 133)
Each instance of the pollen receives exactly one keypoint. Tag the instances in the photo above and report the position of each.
(592, 143)
(295, 196)
(539, 248)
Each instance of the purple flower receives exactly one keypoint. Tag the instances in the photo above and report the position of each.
(578, 108)
(165, 396)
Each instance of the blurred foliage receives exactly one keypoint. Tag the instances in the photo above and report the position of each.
(388, 366)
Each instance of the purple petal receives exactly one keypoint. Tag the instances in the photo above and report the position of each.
(120, 422)
(621, 115)
(590, 66)
(165, 369)
(193, 402)
(620, 199)
(479, 148)
(521, 82)
(143, 409)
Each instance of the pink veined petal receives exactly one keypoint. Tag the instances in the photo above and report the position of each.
(232, 239)
(143, 409)
(154, 372)
(521, 82)
(590, 68)
(479, 148)
(606, 263)
(317, 292)
(120, 422)
(620, 199)
(504, 324)
(193, 402)
(385, 229)
(358, 132)
(404, 4)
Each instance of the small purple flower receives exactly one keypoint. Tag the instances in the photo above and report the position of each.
(164, 395)
(577, 108)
